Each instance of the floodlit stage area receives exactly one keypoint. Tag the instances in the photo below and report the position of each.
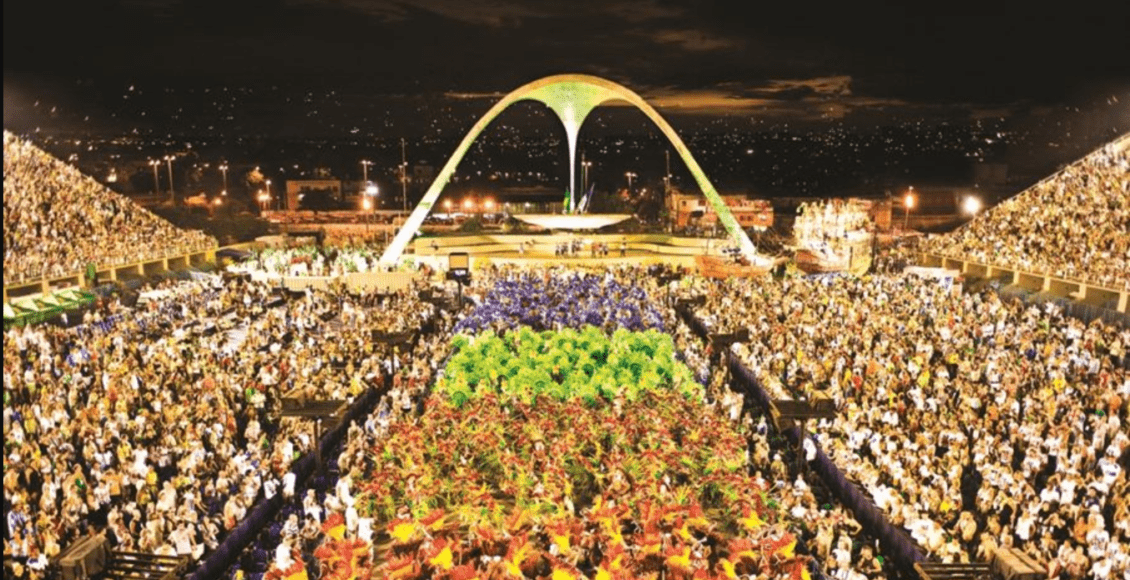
(533, 249)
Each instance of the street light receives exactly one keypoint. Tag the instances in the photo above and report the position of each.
(468, 204)
(169, 162)
(224, 170)
(155, 163)
(447, 205)
(268, 182)
(263, 198)
(630, 175)
(585, 165)
(908, 202)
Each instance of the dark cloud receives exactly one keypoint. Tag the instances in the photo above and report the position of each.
(706, 54)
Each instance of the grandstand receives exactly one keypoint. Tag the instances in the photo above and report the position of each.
(59, 223)
(1072, 225)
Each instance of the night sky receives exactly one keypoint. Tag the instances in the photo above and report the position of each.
(792, 58)
(785, 98)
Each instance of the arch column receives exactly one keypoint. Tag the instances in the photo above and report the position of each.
(572, 98)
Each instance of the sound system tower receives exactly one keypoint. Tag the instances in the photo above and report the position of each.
(85, 558)
(1012, 564)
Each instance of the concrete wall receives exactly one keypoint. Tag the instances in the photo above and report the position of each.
(1036, 282)
(108, 272)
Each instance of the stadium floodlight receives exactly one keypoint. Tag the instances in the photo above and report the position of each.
(971, 205)
(224, 170)
(908, 202)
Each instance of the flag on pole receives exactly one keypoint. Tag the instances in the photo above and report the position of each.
(568, 198)
(583, 207)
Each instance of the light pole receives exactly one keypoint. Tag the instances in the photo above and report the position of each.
(630, 175)
(263, 199)
(370, 202)
(155, 163)
(367, 206)
(169, 162)
(224, 171)
(365, 163)
(268, 182)
(908, 202)
(585, 165)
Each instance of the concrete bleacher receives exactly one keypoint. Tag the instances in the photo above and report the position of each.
(1081, 277)
(73, 193)
(1035, 282)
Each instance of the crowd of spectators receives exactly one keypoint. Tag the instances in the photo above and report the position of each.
(828, 530)
(1073, 224)
(973, 422)
(159, 424)
(312, 261)
(298, 529)
(58, 221)
(835, 538)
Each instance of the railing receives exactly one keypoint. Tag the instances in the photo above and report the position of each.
(1030, 272)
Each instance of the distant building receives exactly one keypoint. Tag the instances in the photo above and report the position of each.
(423, 174)
(296, 189)
(686, 209)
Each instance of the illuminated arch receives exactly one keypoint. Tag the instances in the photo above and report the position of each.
(572, 97)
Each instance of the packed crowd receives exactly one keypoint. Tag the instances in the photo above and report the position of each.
(973, 422)
(1073, 224)
(160, 424)
(841, 546)
(312, 261)
(403, 518)
(288, 544)
(58, 221)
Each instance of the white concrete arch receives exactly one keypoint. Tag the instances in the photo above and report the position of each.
(572, 97)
